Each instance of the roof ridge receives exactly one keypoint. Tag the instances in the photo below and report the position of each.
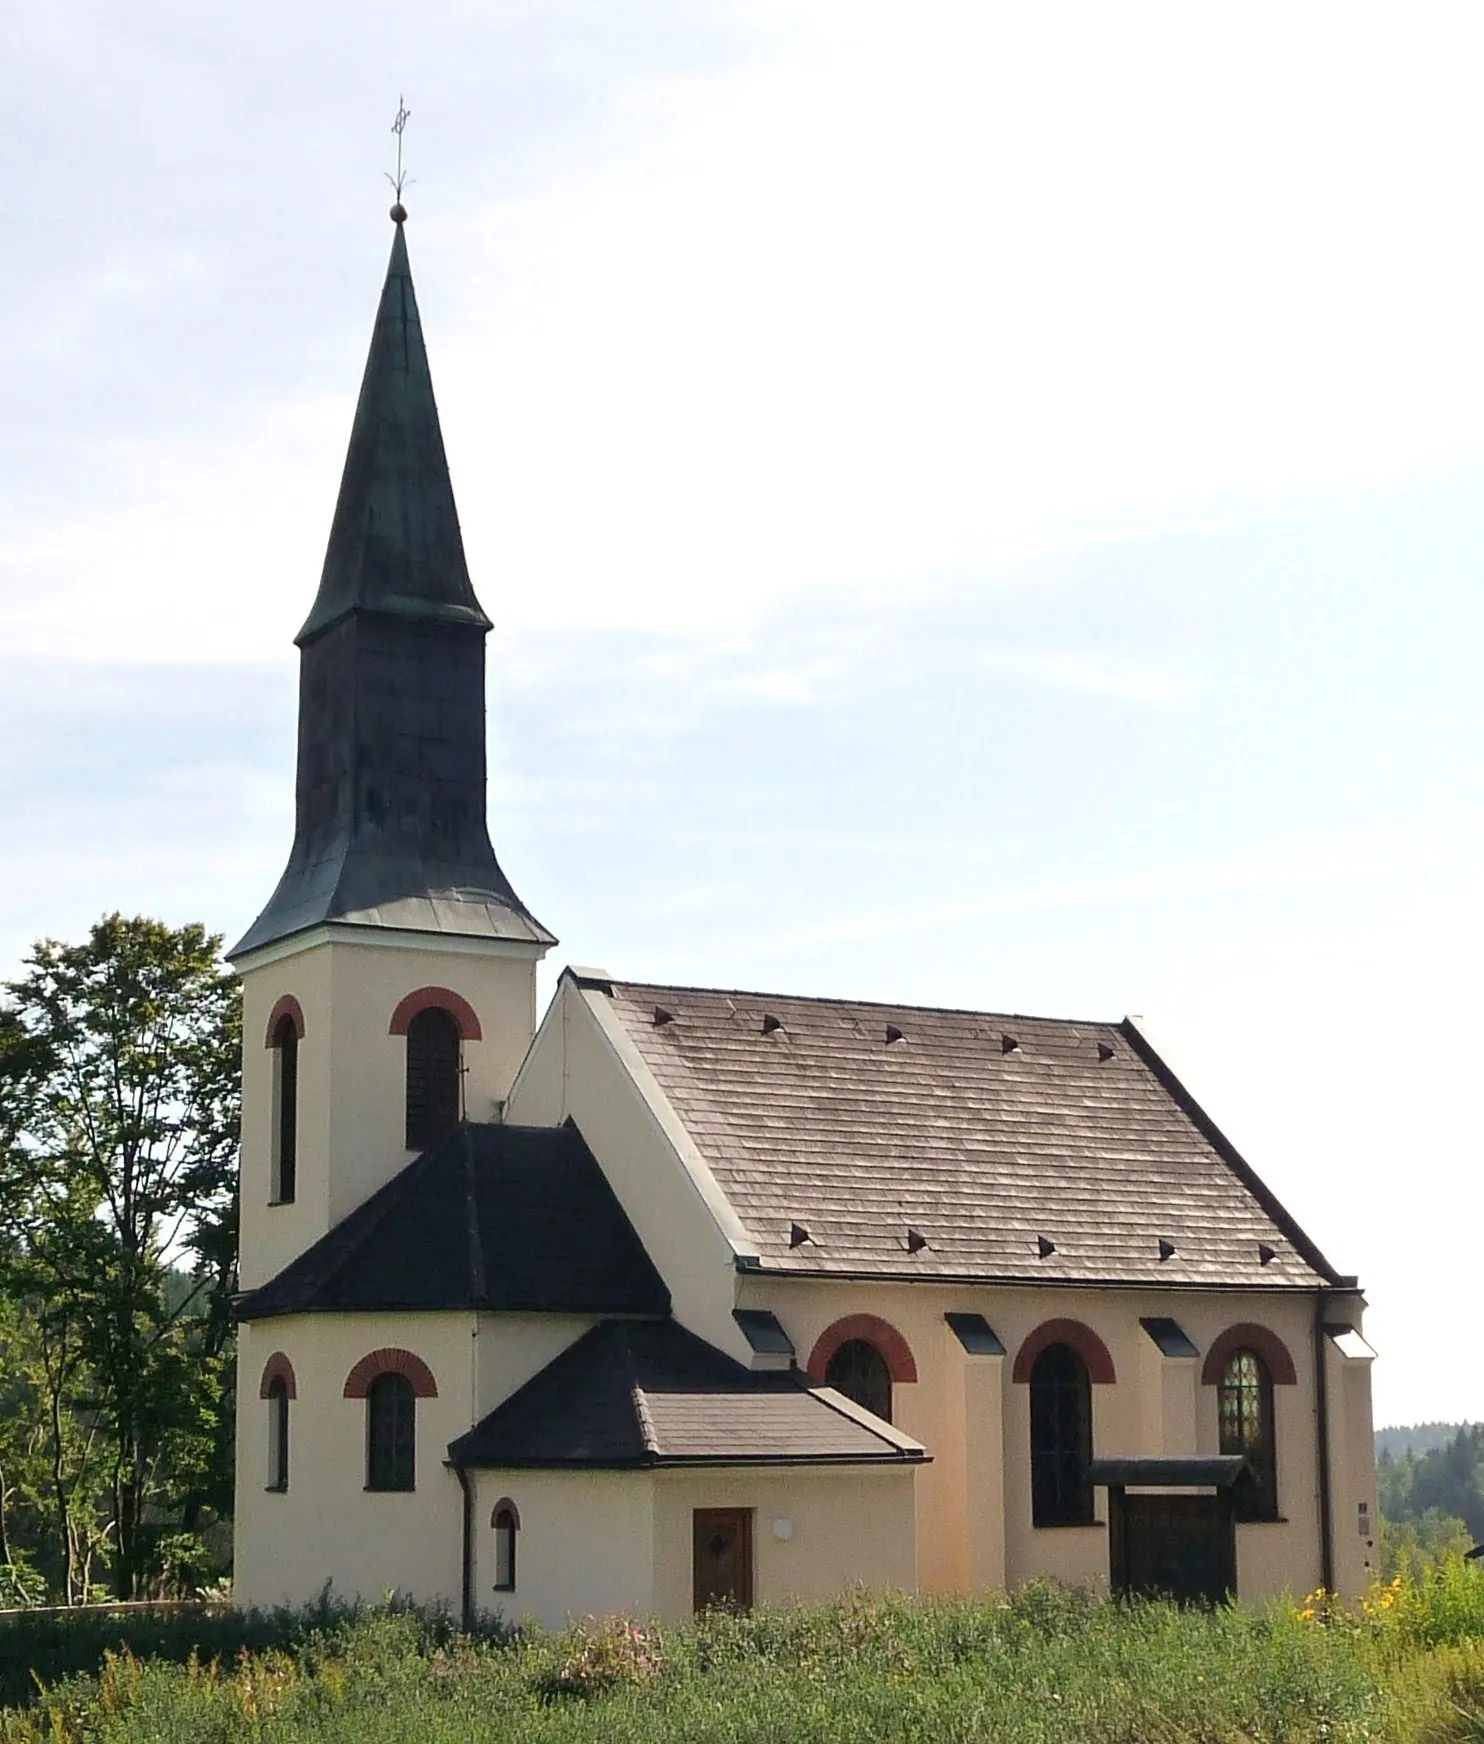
(478, 1282)
(636, 1393)
(874, 1004)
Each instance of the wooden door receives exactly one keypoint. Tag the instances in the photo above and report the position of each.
(722, 1541)
(1177, 1547)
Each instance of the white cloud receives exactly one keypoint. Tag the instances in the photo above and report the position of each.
(871, 308)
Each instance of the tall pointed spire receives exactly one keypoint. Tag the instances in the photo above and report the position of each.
(390, 795)
(395, 544)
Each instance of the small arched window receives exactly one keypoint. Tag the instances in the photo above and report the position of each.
(1061, 1438)
(432, 1077)
(278, 1433)
(391, 1433)
(859, 1371)
(1244, 1403)
(285, 1110)
(506, 1523)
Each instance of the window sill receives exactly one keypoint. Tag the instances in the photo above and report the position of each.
(1262, 1519)
(500, 1589)
(275, 1489)
(389, 1489)
(1066, 1525)
(273, 1204)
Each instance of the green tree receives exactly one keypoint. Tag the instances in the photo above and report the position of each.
(122, 1121)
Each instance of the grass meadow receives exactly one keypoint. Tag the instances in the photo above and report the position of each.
(1047, 1665)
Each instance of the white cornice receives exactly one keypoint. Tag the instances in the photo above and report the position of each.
(389, 939)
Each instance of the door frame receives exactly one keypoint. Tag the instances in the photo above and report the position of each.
(705, 1519)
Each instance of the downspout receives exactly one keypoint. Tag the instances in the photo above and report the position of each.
(466, 1573)
(1321, 1421)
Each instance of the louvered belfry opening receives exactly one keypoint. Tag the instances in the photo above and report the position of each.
(432, 1077)
(286, 1093)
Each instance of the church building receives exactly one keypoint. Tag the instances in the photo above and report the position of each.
(685, 1295)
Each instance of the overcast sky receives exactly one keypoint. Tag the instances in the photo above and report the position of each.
(981, 505)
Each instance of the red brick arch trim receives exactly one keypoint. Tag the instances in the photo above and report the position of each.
(457, 1007)
(1247, 1336)
(388, 1362)
(287, 1006)
(873, 1330)
(278, 1368)
(1082, 1339)
(505, 1506)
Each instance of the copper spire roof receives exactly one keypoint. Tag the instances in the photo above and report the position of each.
(389, 826)
(395, 544)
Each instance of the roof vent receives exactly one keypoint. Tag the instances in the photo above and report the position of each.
(797, 1235)
(916, 1240)
(1265, 1254)
(1044, 1247)
(661, 1016)
(770, 1023)
(893, 1034)
(1009, 1045)
(1166, 1249)
(1105, 1051)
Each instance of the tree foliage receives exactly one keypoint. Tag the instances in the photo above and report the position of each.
(119, 1093)
(1432, 1501)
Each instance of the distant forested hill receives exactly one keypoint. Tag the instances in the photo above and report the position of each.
(1405, 1438)
(1432, 1502)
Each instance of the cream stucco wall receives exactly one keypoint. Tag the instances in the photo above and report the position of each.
(593, 1542)
(848, 1525)
(327, 1525)
(586, 1544)
(352, 1071)
(973, 1501)
(582, 1066)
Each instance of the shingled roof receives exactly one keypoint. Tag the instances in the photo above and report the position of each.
(513, 1217)
(900, 1141)
(647, 1393)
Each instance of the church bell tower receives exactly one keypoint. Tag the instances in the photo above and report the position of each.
(389, 985)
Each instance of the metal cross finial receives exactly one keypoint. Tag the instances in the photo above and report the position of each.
(399, 126)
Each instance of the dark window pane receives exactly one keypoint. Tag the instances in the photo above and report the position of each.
(391, 1434)
(1061, 1438)
(278, 1434)
(1244, 1405)
(432, 1077)
(859, 1371)
(286, 1135)
(505, 1551)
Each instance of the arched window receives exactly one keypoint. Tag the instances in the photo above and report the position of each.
(1244, 1404)
(277, 1395)
(432, 1077)
(391, 1433)
(1061, 1438)
(506, 1523)
(859, 1371)
(285, 1109)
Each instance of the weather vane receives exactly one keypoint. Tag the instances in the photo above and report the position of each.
(400, 180)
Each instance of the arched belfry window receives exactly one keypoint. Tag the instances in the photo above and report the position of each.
(433, 1090)
(285, 1028)
(859, 1371)
(506, 1522)
(1244, 1403)
(1061, 1438)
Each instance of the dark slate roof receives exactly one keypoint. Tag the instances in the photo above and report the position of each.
(646, 1393)
(899, 1141)
(395, 544)
(510, 1217)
